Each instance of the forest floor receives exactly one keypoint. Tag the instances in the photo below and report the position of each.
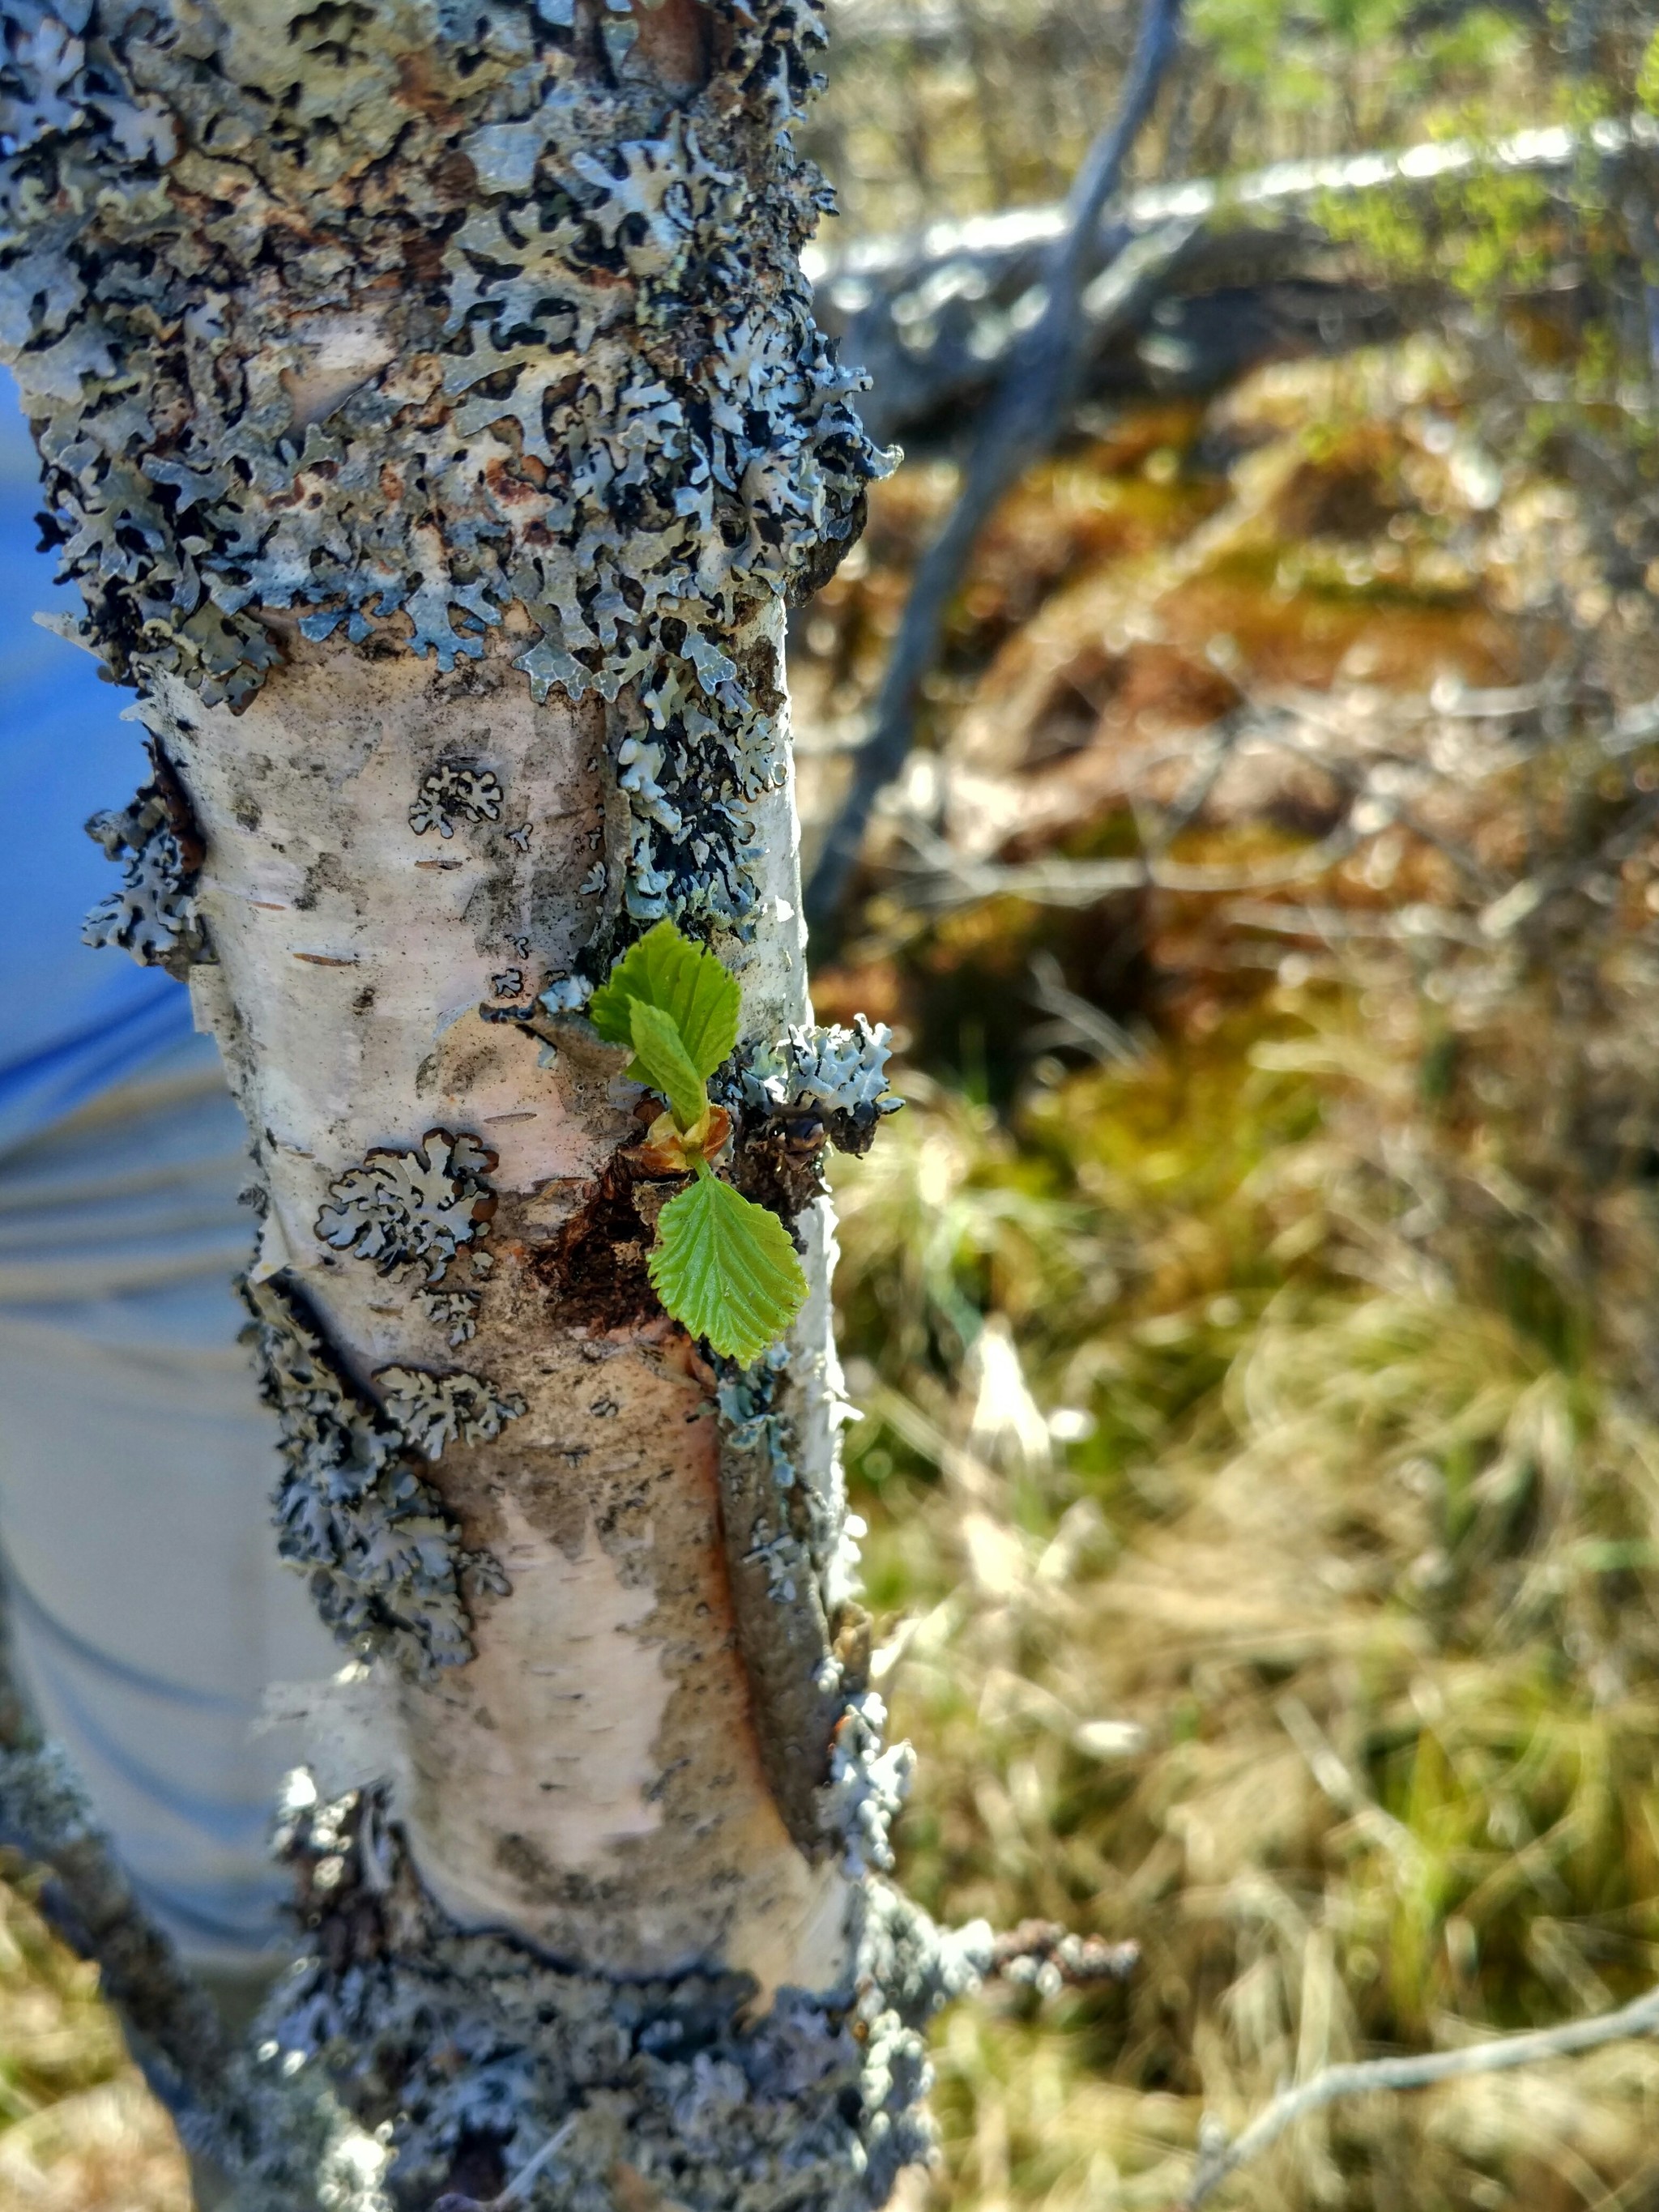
(1251, 1315)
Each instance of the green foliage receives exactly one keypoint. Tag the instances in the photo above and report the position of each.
(726, 1268)
(687, 982)
(1290, 52)
(721, 1265)
(1647, 78)
(659, 1052)
(1483, 233)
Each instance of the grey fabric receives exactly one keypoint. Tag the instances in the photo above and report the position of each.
(137, 1464)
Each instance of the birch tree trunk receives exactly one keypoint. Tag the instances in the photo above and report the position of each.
(431, 413)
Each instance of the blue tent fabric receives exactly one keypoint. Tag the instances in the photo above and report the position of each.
(73, 1020)
(146, 1605)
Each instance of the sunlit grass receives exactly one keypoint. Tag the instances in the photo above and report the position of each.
(1313, 1651)
(79, 2132)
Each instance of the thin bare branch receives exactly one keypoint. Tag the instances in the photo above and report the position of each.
(933, 315)
(1218, 2158)
(1075, 1020)
(1029, 405)
(1419, 923)
(948, 879)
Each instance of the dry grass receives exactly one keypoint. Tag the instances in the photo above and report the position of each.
(1263, 1436)
(81, 2133)
(1321, 1664)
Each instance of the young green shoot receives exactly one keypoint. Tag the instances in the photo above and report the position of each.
(722, 1266)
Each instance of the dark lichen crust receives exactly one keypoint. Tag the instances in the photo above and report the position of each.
(477, 2055)
(406, 322)
(153, 840)
(386, 1566)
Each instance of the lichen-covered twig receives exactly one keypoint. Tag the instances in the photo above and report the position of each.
(1041, 1955)
(1029, 406)
(1219, 2157)
(280, 2138)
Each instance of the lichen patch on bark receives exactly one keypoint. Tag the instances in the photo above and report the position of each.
(551, 370)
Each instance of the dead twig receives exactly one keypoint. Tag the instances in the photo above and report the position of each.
(1030, 404)
(1041, 1955)
(1219, 2158)
(1076, 1021)
(948, 879)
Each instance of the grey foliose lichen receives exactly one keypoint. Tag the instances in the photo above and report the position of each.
(386, 1566)
(153, 915)
(569, 995)
(664, 2091)
(800, 1528)
(836, 1076)
(399, 323)
(454, 1312)
(455, 791)
(804, 1639)
(412, 1209)
(778, 1528)
(869, 1782)
(435, 1411)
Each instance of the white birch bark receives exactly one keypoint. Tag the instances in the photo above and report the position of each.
(590, 1779)
(432, 416)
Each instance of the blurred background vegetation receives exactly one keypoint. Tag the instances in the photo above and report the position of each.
(1256, 1312)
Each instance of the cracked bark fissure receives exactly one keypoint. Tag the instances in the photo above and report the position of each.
(431, 414)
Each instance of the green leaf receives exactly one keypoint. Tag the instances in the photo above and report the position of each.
(725, 1267)
(659, 1053)
(1647, 78)
(684, 981)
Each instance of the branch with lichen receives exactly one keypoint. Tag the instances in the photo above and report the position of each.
(1044, 1956)
(275, 2137)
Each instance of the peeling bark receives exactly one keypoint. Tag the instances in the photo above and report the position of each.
(433, 418)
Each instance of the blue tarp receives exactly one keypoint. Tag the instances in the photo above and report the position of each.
(72, 1020)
